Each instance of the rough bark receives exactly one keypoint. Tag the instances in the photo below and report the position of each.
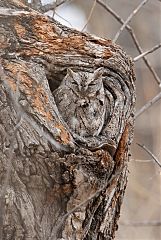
(55, 184)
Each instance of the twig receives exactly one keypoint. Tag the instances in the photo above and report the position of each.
(142, 224)
(90, 14)
(147, 52)
(63, 19)
(36, 3)
(147, 63)
(131, 32)
(129, 19)
(52, 6)
(150, 153)
(142, 160)
(148, 105)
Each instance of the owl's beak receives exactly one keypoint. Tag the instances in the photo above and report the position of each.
(83, 103)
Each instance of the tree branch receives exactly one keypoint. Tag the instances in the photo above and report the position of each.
(148, 105)
(90, 14)
(142, 224)
(147, 52)
(150, 153)
(132, 33)
(52, 6)
(129, 19)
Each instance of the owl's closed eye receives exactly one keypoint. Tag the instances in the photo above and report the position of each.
(84, 101)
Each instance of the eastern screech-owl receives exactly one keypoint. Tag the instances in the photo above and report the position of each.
(80, 99)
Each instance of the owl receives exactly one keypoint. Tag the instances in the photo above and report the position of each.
(80, 99)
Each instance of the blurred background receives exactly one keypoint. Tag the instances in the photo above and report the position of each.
(141, 211)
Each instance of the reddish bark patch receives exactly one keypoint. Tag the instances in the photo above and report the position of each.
(105, 158)
(122, 147)
(26, 84)
(21, 31)
(43, 29)
(107, 54)
(64, 136)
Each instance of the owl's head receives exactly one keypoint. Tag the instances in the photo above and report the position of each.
(84, 81)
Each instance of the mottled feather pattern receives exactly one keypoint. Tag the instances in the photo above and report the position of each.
(80, 99)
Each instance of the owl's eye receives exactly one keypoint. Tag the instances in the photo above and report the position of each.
(74, 83)
(91, 84)
(101, 102)
(85, 105)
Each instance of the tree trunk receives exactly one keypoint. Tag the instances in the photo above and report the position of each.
(56, 184)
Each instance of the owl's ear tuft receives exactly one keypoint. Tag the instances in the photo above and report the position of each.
(98, 72)
(70, 72)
